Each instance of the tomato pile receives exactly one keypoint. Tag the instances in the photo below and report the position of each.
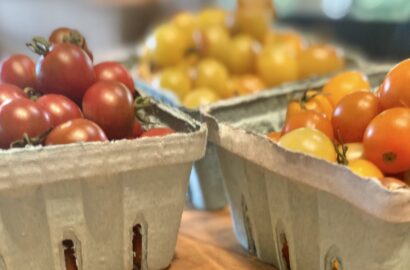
(345, 122)
(64, 98)
(216, 55)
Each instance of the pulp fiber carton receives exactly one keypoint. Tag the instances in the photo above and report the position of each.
(289, 205)
(206, 188)
(111, 205)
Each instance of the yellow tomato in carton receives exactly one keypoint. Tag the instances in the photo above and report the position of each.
(241, 54)
(214, 42)
(211, 17)
(213, 75)
(177, 80)
(199, 97)
(187, 23)
(365, 168)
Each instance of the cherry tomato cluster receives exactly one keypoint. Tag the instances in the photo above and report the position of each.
(64, 98)
(347, 123)
(216, 55)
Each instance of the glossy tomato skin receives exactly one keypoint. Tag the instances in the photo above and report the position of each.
(394, 91)
(343, 84)
(21, 116)
(59, 108)
(158, 132)
(309, 141)
(386, 140)
(309, 119)
(352, 115)
(110, 105)
(66, 70)
(114, 71)
(365, 168)
(19, 70)
(9, 91)
(74, 131)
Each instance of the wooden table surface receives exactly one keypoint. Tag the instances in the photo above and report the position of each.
(206, 242)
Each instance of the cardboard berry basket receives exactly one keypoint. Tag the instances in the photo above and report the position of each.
(206, 189)
(287, 204)
(108, 205)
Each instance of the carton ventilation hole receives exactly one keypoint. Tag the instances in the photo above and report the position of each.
(336, 265)
(137, 247)
(69, 255)
(285, 252)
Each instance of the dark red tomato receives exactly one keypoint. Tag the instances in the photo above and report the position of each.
(309, 119)
(158, 132)
(113, 71)
(59, 108)
(66, 70)
(18, 69)
(9, 91)
(386, 140)
(68, 35)
(110, 105)
(137, 130)
(352, 115)
(21, 116)
(74, 131)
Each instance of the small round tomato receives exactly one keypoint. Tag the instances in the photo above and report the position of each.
(276, 65)
(309, 119)
(68, 35)
(75, 131)
(214, 42)
(253, 20)
(176, 80)
(187, 24)
(394, 91)
(365, 168)
(241, 54)
(110, 105)
(386, 140)
(19, 70)
(21, 116)
(10, 91)
(352, 115)
(392, 183)
(66, 70)
(167, 46)
(274, 135)
(158, 132)
(291, 40)
(317, 60)
(114, 71)
(309, 141)
(213, 75)
(343, 84)
(312, 101)
(199, 97)
(59, 108)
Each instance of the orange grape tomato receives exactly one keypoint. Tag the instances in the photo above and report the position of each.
(394, 91)
(352, 115)
(274, 135)
(309, 119)
(365, 168)
(313, 101)
(386, 140)
(319, 60)
(345, 83)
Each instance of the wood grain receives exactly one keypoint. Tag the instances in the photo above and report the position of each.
(206, 241)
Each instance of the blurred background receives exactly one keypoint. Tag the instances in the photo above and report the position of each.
(380, 28)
